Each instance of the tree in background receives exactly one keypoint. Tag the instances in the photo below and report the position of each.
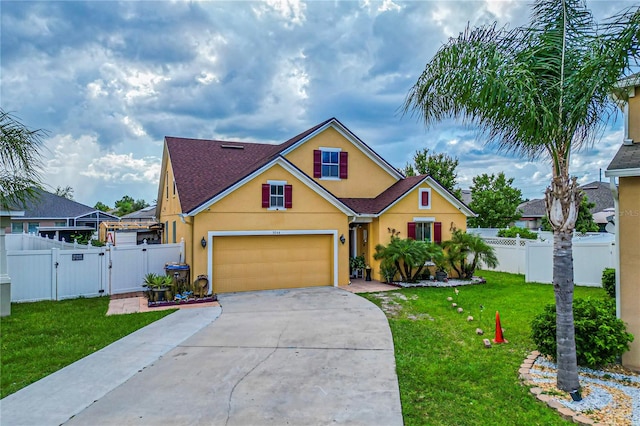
(441, 167)
(494, 200)
(66, 192)
(540, 91)
(127, 205)
(21, 158)
(584, 222)
(102, 207)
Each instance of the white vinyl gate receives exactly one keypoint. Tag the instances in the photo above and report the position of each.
(56, 274)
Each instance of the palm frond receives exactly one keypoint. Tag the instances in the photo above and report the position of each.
(21, 159)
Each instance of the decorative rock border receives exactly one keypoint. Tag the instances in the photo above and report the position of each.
(566, 413)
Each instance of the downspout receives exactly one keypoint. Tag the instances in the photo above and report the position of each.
(616, 204)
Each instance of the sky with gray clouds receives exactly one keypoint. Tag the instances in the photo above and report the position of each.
(108, 80)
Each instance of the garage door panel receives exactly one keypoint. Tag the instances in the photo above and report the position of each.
(246, 263)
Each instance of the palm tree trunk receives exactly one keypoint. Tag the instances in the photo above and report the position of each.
(562, 199)
(567, 379)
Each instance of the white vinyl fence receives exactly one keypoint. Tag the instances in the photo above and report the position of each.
(55, 274)
(534, 258)
(35, 242)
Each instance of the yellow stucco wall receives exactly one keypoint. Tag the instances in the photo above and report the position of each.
(404, 212)
(242, 211)
(634, 116)
(170, 209)
(629, 234)
(365, 178)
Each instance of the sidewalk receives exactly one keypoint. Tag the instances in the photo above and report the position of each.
(56, 398)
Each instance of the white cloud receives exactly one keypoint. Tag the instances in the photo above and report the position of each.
(94, 173)
(134, 126)
(291, 11)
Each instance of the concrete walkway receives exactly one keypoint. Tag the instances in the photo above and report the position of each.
(301, 357)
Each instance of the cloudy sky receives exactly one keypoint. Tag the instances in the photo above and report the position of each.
(108, 80)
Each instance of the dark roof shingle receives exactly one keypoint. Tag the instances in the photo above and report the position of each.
(627, 157)
(48, 205)
(383, 200)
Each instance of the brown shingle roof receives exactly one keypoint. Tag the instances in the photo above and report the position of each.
(385, 199)
(203, 168)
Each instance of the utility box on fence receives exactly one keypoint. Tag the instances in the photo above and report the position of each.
(181, 276)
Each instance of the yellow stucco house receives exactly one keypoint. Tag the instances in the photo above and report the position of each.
(625, 167)
(259, 216)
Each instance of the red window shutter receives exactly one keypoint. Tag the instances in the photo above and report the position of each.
(437, 232)
(411, 230)
(288, 193)
(317, 163)
(344, 164)
(266, 193)
(424, 200)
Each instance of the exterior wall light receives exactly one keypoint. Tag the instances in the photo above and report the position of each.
(342, 239)
(203, 242)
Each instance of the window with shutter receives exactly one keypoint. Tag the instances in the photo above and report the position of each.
(424, 201)
(420, 231)
(330, 163)
(277, 195)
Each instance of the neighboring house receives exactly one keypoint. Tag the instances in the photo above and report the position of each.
(625, 166)
(534, 210)
(147, 214)
(532, 213)
(134, 228)
(259, 216)
(57, 217)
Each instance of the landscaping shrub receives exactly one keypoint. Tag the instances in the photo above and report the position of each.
(609, 281)
(515, 231)
(600, 337)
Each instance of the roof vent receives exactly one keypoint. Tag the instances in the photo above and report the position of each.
(233, 146)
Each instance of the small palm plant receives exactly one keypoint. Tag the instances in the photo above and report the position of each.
(465, 251)
(407, 255)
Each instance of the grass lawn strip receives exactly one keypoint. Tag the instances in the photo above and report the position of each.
(446, 376)
(40, 338)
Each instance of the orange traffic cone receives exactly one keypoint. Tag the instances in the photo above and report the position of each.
(499, 337)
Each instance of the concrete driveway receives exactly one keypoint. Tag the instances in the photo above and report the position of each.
(311, 356)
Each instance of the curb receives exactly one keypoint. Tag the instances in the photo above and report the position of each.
(564, 412)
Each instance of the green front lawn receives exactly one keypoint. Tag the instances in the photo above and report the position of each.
(446, 375)
(42, 337)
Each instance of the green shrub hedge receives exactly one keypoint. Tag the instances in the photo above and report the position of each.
(600, 337)
(515, 231)
(609, 281)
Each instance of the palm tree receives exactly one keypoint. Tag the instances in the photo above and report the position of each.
(539, 91)
(461, 246)
(21, 161)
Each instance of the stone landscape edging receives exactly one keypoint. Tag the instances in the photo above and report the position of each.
(565, 412)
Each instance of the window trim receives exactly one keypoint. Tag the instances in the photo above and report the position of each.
(420, 205)
(322, 151)
(283, 184)
(422, 224)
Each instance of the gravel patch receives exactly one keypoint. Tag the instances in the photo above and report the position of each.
(608, 397)
(453, 282)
